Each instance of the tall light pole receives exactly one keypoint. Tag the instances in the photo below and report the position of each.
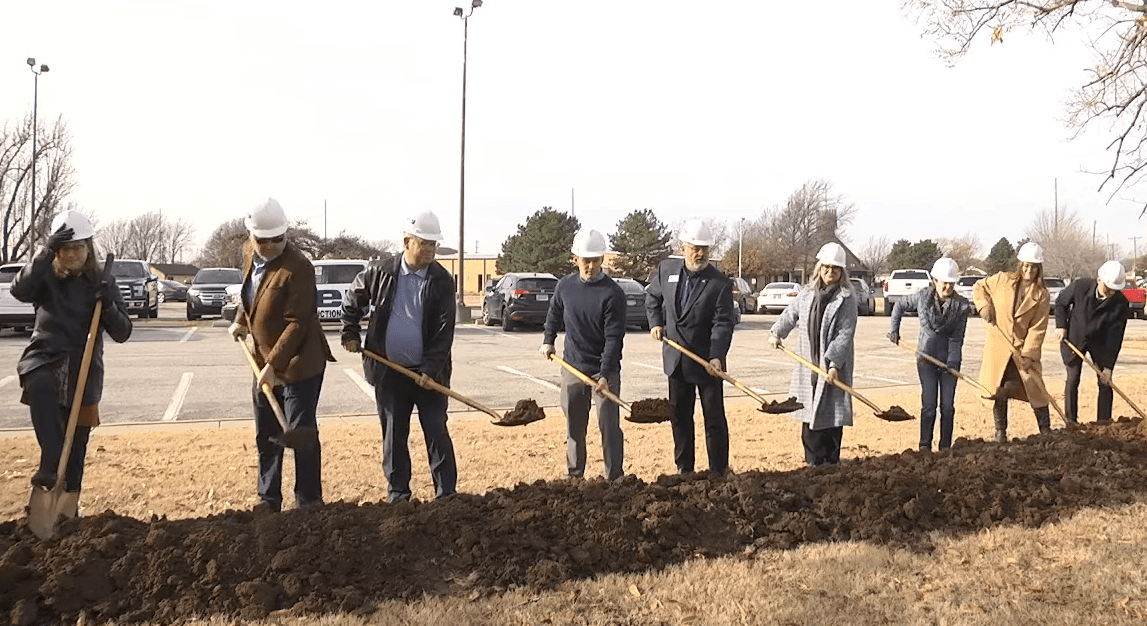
(463, 312)
(35, 130)
(740, 241)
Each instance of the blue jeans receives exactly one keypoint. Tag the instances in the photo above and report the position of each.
(299, 402)
(396, 396)
(936, 382)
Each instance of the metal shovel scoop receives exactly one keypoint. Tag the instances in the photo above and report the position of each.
(525, 411)
(893, 414)
(46, 506)
(788, 406)
(296, 438)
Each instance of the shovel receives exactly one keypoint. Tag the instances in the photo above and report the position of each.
(609, 395)
(46, 506)
(297, 438)
(955, 372)
(766, 406)
(531, 413)
(1019, 361)
(1110, 382)
(893, 414)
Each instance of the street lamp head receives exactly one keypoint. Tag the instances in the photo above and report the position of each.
(457, 11)
(44, 67)
(31, 62)
(476, 4)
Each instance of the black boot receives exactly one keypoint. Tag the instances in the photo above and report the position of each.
(1000, 413)
(1043, 419)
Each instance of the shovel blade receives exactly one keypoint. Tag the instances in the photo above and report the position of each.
(47, 506)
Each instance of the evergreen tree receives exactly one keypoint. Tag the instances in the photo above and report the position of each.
(1001, 258)
(919, 255)
(926, 253)
(641, 242)
(900, 257)
(542, 244)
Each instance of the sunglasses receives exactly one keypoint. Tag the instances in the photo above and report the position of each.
(278, 239)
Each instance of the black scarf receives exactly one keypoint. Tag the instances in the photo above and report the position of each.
(820, 300)
(942, 316)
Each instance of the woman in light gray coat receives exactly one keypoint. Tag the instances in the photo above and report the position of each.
(824, 315)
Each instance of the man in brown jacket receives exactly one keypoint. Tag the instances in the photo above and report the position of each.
(279, 313)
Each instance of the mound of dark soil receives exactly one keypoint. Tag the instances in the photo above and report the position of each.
(342, 556)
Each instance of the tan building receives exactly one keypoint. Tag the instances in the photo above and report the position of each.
(480, 268)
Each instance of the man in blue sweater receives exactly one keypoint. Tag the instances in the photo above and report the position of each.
(592, 308)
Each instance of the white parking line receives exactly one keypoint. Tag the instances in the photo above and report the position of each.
(646, 365)
(176, 404)
(544, 383)
(887, 380)
(189, 334)
(6, 380)
(361, 382)
(890, 358)
(771, 362)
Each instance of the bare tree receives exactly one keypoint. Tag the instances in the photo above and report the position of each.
(720, 230)
(23, 226)
(965, 250)
(1068, 249)
(150, 237)
(1113, 94)
(874, 255)
(178, 240)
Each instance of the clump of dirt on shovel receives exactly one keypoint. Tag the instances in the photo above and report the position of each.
(896, 414)
(649, 411)
(524, 412)
(788, 405)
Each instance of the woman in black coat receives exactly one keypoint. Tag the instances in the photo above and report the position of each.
(1092, 314)
(63, 281)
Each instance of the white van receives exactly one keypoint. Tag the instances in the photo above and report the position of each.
(333, 279)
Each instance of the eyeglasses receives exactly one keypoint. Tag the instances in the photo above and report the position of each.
(261, 240)
(425, 244)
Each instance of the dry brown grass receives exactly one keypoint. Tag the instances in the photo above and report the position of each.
(1085, 570)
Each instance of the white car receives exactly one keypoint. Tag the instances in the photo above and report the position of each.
(966, 285)
(1054, 286)
(14, 314)
(776, 296)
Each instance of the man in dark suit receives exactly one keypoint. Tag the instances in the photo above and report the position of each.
(691, 302)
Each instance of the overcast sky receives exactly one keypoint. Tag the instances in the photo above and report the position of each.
(718, 108)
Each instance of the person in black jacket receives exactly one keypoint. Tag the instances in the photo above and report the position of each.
(691, 302)
(1092, 314)
(591, 307)
(63, 281)
(412, 324)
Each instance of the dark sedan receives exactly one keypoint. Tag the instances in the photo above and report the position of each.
(634, 303)
(171, 291)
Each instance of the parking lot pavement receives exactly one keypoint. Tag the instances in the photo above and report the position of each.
(172, 369)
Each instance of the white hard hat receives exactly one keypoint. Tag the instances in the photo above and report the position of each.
(588, 244)
(424, 226)
(1113, 275)
(832, 253)
(1030, 252)
(945, 270)
(79, 223)
(267, 220)
(697, 233)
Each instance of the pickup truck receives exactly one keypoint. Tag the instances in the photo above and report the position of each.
(903, 283)
(1136, 296)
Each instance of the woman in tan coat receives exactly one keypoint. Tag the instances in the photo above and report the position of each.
(1017, 304)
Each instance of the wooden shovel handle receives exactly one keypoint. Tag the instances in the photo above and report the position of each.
(1019, 361)
(431, 383)
(720, 374)
(267, 391)
(1100, 372)
(823, 374)
(612, 397)
(938, 363)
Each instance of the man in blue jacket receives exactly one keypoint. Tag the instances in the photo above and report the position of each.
(592, 308)
(411, 298)
(691, 302)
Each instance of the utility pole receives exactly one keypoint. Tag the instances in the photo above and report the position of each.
(1056, 223)
(572, 214)
(1134, 253)
(324, 219)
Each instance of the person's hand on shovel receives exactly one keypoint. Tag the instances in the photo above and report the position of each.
(988, 314)
(833, 375)
(1105, 376)
(267, 377)
(424, 381)
(352, 346)
(1060, 333)
(714, 367)
(237, 331)
(546, 351)
(657, 332)
(601, 385)
(775, 342)
(894, 337)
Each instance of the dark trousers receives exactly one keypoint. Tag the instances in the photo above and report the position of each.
(822, 446)
(50, 421)
(682, 398)
(1074, 368)
(936, 384)
(299, 402)
(396, 398)
(576, 398)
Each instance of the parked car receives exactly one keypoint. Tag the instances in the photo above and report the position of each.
(231, 301)
(518, 298)
(208, 290)
(743, 295)
(634, 303)
(333, 278)
(1054, 285)
(138, 286)
(776, 296)
(18, 316)
(865, 299)
(903, 283)
(172, 291)
(966, 285)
